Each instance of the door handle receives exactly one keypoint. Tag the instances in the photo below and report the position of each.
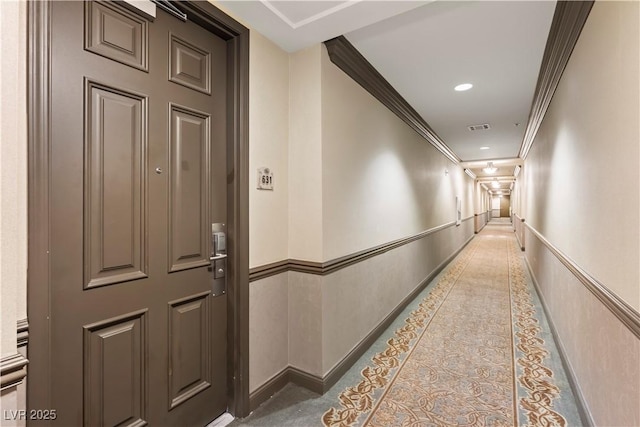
(218, 259)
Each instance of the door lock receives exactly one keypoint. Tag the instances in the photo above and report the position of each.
(218, 259)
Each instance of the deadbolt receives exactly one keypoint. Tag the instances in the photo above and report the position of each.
(158, 170)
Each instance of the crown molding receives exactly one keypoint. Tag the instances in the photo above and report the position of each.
(568, 20)
(346, 57)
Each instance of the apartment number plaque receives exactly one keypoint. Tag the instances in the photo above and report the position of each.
(265, 179)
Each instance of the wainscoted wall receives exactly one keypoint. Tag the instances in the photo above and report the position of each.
(332, 317)
(603, 353)
(358, 298)
(268, 328)
(518, 228)
(567, 199)
(480, 220)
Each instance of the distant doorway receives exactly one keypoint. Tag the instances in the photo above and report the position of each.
(505, 204)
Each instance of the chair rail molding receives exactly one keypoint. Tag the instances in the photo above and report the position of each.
(23, 332)
(13, 369)
(328, 267)
(623, 311)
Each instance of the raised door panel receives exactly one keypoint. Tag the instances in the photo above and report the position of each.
(189, 348)
(189, 177)
(115, 371)
(115, 236)
(117, 34)
(189, 65)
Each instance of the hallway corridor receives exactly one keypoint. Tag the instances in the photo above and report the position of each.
(474, 348)
(320, 213)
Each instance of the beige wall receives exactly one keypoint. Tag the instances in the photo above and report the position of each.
(516, 199)
(268, 147)
(381, 181)
(582, 174)
(305, 156)
(268, 328)
(482, 199)
(268, 210)
(13, 183)
(579, 189)
(495, 202)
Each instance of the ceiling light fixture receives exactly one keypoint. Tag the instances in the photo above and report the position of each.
(495, 183)
(490, 168)
(462, 87)
(484, 148)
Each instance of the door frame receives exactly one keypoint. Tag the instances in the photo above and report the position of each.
(39, 139)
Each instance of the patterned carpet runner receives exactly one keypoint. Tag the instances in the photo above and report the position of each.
(471, 354)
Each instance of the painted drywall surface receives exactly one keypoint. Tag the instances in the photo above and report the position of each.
(582, 175)
(268, 328)
(305, 155)
(481, 199)
(381, 181)
(516, 195)
(495, 202)
(268, 142)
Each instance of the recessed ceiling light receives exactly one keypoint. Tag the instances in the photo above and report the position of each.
(463, 87)
(484, 148)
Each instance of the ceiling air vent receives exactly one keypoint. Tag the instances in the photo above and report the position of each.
(479, 127)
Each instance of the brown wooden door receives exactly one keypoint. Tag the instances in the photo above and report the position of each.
(137, 177)
(505, 204)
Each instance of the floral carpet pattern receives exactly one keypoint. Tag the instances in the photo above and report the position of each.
(471, 354)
